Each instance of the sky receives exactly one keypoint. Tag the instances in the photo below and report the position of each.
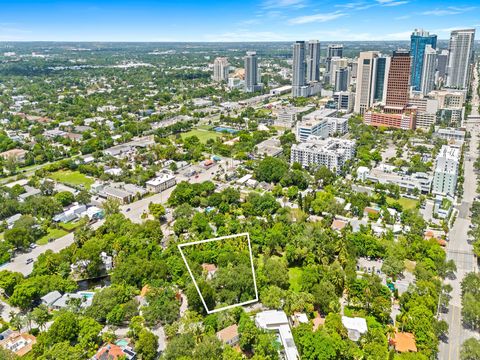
(231, 20)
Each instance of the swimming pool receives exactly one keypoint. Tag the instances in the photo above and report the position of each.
(86, 294)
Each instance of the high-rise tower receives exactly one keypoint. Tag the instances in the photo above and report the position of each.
(460, 58)
(418, 41)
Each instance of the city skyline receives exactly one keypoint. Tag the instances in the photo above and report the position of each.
(250, 20)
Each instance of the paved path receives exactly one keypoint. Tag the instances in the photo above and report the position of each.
(458, 248)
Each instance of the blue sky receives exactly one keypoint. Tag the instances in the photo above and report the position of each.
(231, 20)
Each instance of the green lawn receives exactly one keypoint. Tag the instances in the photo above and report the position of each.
(52, 233)
(69, 226)
(75, 178)
(203, 135)
(407, 204)
(294, 275)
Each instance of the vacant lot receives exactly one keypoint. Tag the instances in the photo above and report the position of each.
(73, 178)
(407, 204)
(203, 135)
(294, 275)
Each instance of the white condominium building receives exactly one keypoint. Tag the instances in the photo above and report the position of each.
(446, 171)
(338, 126)
(220, 69)
(460, 58)
(315, 123)
(332, 152)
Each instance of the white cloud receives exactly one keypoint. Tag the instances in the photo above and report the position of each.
(272, 4)
(395, 3)
(451, 10)
(316, 18)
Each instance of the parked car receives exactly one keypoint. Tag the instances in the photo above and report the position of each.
(29, 261)
(33, 246)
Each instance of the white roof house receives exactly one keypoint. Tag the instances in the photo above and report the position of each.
(50, 298)
(356, 327)
(277, 321)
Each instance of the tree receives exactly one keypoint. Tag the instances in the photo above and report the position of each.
(83, 197)
(180, 347)
(324, 175)
(323, 202)
(146, 345)
(271, 169)
(157, 210)
(276, 272)
(111, 206)
(65, 327)
(9, 280)
(248, 333)
(272, 297)
(393, 266)
(65, 198)
(163, 307)
(88, 334)
(470, 350)
(7, 354)
(41, 316)
(209, 348)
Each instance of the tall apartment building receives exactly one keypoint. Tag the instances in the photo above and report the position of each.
(365, 76)
(313, 61)
(220, 69)
(341, 79)
(442, 61)
(418, 42)
(446, 171)
(381, 66)
(429, 70)
(251, 72)
(371, 80)
(333, 50)
(331, 152)
(299, 80)
(303, 82)
(335, 64)
(398, 84)
(460, 58)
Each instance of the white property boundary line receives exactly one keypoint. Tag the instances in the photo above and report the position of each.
(180, 246)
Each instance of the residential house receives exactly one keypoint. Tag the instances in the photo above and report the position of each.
(209, 270)
(15, 154)
(229, 335)
(50, 298)
(404, 342)
(277, 321)
(115, 352)
(356, 327)
(16, 342)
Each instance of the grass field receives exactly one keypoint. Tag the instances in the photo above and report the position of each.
(74, 178)
(52, 233)
(294, 275)
(69, 226)
(407, 204)
(203, 135)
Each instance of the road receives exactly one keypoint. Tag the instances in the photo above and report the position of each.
(458, 248)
